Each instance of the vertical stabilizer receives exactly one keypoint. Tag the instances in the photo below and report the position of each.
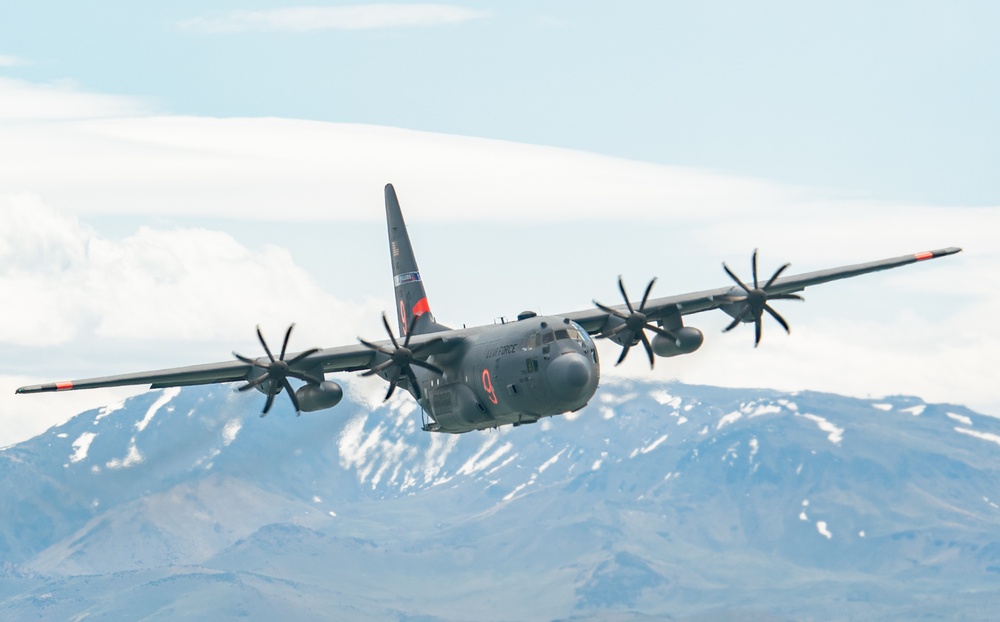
(411, 299)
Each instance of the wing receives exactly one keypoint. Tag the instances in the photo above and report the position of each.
(657, 309)
(341, 358)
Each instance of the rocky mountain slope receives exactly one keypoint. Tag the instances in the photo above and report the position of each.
(663, 500)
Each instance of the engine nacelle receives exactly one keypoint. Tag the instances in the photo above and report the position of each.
(688, 339)
(610, 325)
(313, 397)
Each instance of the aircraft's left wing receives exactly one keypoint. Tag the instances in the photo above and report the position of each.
(660, 309)
(343, 358)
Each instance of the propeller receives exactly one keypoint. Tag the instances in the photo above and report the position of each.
(402, 357)
(276, 372)
(636, 324)
(755, 300)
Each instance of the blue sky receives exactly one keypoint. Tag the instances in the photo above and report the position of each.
(172, 174)
(891, 100)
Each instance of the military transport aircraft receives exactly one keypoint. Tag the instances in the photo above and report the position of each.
(486, 376)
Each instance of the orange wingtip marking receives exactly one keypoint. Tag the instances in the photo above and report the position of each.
(64, 386)
(926, 255)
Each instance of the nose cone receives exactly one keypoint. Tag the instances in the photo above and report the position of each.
(570, 375)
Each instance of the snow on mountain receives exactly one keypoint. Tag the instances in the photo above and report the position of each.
(657, 499)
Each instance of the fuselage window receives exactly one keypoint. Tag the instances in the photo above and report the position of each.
(548, 338)
(562, 334)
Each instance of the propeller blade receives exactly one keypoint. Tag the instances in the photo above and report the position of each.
(774, 277)
(393, 382)
(413, 330)
(268, 403)
(778, 317)
(645, 296)
(756, 301)
(649, 348)
(401, 358)
(385, 322)
(739, 318)
(250, 361)
(382, 366)
(413, 381)
(260, 337)
(255, 383)
(661, 331)
(291, 394)
(278, 371)
(428, 366)
(633, 329)
(621, 286)
(610, 310)
(304, 377)
(735, 278)
(377, 348)
(427, 344)
(625, 349)
(284, 344)
(301, 356)
(618, 329)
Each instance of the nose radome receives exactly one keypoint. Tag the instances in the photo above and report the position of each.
(568, 374)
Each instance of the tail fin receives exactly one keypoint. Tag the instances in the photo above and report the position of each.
(411, 300)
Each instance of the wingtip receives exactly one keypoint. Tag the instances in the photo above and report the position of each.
(45, 388)
(942, 252)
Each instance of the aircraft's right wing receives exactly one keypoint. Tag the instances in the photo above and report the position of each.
(660, 309)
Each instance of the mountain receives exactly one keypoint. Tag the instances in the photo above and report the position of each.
(657, 501)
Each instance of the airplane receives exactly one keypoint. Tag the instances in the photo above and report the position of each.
(482, 377)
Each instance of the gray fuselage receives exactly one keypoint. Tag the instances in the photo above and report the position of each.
(510, 373)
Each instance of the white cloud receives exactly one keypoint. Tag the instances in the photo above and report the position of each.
(13, 61)
(350, 17)
(79, 305)
(180, 285)
(288, 170)
(25, 101)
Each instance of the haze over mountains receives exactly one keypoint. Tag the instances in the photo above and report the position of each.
(663, 500)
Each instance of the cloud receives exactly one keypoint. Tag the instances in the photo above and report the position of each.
(350, 17)
(178, 285)
(13, 61)
(244, 168)
(25, 101)
(79, 304)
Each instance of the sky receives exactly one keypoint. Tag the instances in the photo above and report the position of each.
(173, 174)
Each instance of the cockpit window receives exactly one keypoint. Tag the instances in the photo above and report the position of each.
(535, 338)
(575, 333)
(579, 334)
(532, 340)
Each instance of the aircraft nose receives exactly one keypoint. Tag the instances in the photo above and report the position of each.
(568, 374)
